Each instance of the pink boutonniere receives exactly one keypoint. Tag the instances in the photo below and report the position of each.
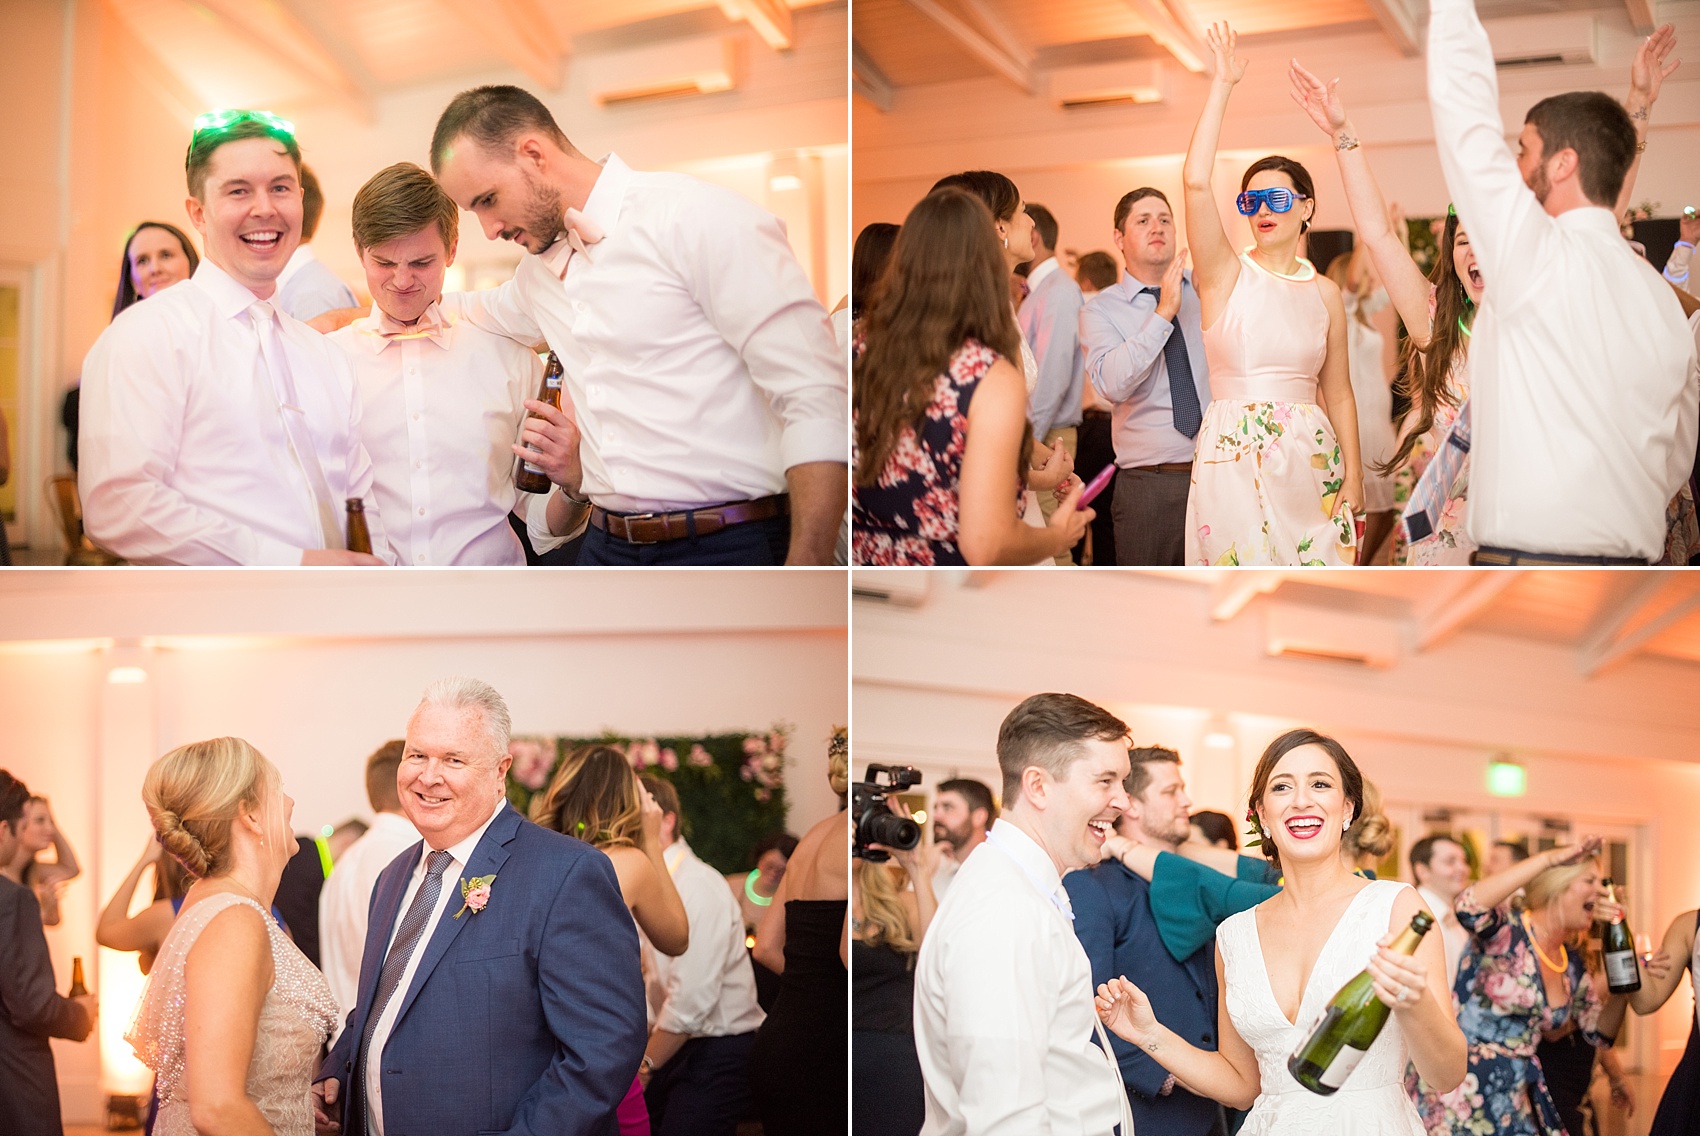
(474, 894)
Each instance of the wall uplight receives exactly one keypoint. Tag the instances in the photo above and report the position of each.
(1507, 779)
(126, 676)
(783, 182)
(1218, 739)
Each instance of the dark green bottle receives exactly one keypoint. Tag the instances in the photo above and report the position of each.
(1623, 970)
(1351, 1023)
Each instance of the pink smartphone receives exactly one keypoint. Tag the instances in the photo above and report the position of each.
(1096, 486)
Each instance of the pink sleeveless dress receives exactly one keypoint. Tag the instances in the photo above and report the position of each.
(1267, 470)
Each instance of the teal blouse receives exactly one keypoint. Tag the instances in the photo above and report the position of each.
(1189, 900)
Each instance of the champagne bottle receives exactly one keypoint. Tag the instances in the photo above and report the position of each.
(1623, 969)
(1351, 1023)
(78, 990)
(529, 478)
(359, 536)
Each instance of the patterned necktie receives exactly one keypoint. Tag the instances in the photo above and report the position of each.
(406, 939)
(1183, 396)
(1439, 483)
(264, 318)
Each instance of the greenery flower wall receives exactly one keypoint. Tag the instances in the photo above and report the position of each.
(731, 786)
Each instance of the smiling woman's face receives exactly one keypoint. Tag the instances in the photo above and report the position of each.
(1304, 809)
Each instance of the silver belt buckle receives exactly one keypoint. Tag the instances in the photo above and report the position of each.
(625, 523)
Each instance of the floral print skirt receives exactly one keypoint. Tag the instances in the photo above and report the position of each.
(1265, 476)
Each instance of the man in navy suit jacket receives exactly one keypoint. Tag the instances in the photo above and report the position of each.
(1112, 918)
(500, 988)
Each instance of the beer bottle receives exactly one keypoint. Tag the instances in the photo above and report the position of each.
(527, 477)
(78, 990)
(1351, 1023)
(359, 536)
(1623, 969)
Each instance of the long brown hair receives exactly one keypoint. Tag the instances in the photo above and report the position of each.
(594, 796)
(1424, 371)
(127, 293)
(945, 284)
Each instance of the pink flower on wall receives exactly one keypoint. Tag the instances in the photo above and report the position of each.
(534, 759)
(699, 756)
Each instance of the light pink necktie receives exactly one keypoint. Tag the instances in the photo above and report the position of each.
(264, 318)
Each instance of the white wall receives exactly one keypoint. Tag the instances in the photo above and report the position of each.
(931, 686)
(318, 671)
(1079, 162)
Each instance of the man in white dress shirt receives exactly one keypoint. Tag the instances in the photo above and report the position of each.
(1582, 369)
(1442, 871)
(963, 809)
(709, 389)
(695, 1068)
(1004, 1022)
(347, 894)
(215, 428)
(306, 288)
(1050, 322)
(441, 400)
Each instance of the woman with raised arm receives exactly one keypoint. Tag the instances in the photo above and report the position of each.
(1280, 963)
(1276, 479)
(47, 878)
(1439, 309)
(1517, 983)
(1679, 1108)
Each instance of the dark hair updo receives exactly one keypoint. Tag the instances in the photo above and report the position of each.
(1351, 779)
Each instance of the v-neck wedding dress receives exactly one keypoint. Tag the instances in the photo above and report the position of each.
(1373, 1101)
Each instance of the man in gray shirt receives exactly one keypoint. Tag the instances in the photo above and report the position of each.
(1050, 322)
(1145, 354)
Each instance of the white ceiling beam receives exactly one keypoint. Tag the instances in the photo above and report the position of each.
(1399, 23)
(1242, 585)
(309, 23)
(309, 61)
(1172, 24)
(520, 31)
(1018, 69)
(1614, 632)
(867, 80)
(1641, 16)
(771, 20)
(1470, 594)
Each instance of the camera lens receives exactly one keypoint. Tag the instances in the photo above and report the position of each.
(889, 829)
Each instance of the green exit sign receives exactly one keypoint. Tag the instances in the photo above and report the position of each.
(1507, 779)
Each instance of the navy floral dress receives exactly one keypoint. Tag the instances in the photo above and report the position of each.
(1503, 1010)
(910, 515)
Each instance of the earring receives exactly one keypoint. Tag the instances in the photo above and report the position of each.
(1346, 825)
(1006, 242)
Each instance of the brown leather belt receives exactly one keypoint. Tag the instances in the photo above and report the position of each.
(657, 528)
(1165, 467)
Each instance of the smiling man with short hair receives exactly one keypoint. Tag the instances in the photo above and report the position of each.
(1003, 990)
(217, 429)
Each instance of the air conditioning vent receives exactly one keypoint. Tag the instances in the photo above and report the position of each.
(1108, 84)
(1544, 41)
(895, 587)
(666, 71)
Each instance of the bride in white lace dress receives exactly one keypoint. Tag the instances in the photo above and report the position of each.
(233, 1017)
(1280, 963)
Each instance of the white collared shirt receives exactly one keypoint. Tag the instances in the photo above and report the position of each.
(1453, 936)
(461, 854)
(346, 898)
(185, 459)
(439, 415)
(307, 287)
(710, 990)
(1583, 379)
(1003, 1003)
(699, 362)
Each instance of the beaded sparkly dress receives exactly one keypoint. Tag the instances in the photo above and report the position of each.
(296, 1018)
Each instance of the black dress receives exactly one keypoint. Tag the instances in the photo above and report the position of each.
(798, 1070)
(1679, 1108)
(890, 1099)
(1568, 1065)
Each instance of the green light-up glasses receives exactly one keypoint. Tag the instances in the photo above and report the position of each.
(216, 120)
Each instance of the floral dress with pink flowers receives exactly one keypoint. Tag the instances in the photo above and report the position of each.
(1503, 1010)
(910, 515)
